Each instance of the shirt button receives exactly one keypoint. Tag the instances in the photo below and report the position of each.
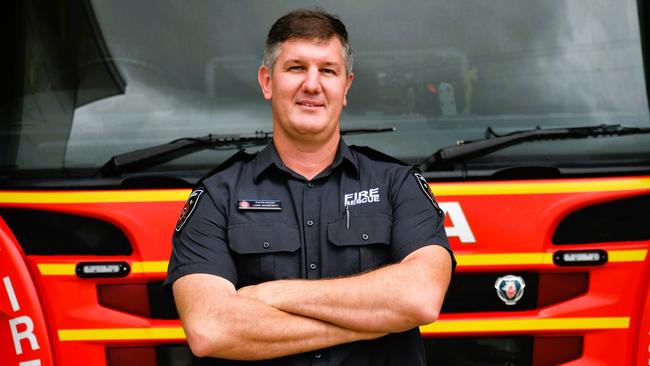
(312, 266)
(318, 355)
(266, 245)
(310, 185)
(310, 222)
(364, 236)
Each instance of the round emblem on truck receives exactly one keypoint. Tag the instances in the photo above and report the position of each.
(510, 288)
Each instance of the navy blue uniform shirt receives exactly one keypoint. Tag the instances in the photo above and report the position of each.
(255, 220)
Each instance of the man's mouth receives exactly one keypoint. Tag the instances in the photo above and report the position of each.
(310, 104)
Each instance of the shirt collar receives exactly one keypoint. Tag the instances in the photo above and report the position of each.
(269, 157)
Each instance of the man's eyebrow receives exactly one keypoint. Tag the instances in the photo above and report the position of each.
(293, 61)
(331, 64)
(300, 61)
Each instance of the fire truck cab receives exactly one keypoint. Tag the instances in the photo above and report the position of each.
(529, 121)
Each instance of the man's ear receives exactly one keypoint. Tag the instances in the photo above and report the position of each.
(264, 78)
(348, 84)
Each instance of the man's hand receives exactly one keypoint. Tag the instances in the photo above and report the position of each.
(390, 299)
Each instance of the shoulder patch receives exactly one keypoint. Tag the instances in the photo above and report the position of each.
(376, 155)
(424, 185)
(238, 156)
(188, 208)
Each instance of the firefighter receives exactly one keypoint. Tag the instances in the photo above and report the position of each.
(311, 251)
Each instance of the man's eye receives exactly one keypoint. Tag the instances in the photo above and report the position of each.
(328, 71)
(295, 68)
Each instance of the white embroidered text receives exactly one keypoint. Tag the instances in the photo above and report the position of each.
(371, 195)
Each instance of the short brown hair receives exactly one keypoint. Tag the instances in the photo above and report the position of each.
(306, 24)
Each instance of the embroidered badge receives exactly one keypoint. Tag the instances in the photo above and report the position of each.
(356, 198)
(270, 205)
(424, 185)
(188, 208)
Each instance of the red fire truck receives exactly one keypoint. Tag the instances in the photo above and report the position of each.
(529, 120)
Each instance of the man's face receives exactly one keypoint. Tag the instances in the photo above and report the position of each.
(308, 88)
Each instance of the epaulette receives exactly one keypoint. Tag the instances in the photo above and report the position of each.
(240, 155)
(377, 155)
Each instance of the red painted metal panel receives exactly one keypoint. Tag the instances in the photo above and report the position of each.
(498, 224)
(24, 336)
(642, 341)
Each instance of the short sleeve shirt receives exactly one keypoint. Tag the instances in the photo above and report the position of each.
(255, 220)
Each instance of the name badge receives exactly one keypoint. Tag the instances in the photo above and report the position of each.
(268, 205)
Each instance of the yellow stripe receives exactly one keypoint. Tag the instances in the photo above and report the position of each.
(112, 334)
(68, 269)
(500, 259)
(162, 195)
(57, 269)
(440, 189)
(442, 326)
(627, 255)
(510, 325)
(568, 186)
(464, 260)
(149, 267)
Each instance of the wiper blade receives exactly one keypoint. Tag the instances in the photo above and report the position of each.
(493, 142)
(158, 154)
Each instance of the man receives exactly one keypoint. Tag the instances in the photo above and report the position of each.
(309, 252)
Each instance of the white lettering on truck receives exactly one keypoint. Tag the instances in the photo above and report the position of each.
(460, 227)
(30, 363)
(23, 322)
(26, 333)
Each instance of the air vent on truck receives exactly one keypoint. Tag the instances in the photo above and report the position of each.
(56, 233)
(614, 221)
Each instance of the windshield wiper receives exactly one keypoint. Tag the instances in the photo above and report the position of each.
(469, 149)
(158, 154)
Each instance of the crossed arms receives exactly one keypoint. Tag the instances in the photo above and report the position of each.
(285, 317)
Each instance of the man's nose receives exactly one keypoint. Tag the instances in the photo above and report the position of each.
(311, 83)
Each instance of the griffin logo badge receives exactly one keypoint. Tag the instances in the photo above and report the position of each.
(510, 288)
(424, 185)
(188, 208)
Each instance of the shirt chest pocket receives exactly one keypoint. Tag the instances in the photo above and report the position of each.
(265, 252)
(361, 243)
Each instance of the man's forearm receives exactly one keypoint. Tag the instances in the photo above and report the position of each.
(354, 302)
(234, 327)
(257, 331)
(390, 299)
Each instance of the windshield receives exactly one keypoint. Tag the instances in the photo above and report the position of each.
(439, 71)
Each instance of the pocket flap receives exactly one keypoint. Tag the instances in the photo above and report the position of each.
(363, 230)
(263, 238)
